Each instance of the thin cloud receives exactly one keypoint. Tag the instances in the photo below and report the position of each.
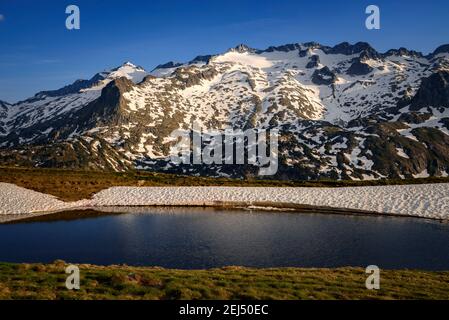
(2, 17)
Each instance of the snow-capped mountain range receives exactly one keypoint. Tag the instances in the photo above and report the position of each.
(344, 112)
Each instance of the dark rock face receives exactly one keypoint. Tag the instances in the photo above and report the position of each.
(3, 114)
(434, 91)
(313, 62)
(365, 50)
(199, 59)
(324, 76)
(242, 48)
(348, 49)
(187, 77)
(66, 155)
(368, 55)
(72, 88)
(168, 65)
(441, 49)
(107, 108)
(303, 53)
(342, 48)
(403, 52)
(284, 48)
(3, 104)
(359, 68)
(310, 46)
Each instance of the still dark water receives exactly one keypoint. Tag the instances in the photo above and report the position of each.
(202, 238)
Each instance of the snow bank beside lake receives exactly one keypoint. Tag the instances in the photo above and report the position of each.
(426, 200)
(17, 200)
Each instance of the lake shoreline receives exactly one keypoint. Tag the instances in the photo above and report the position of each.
(89, 212)
(429, 201)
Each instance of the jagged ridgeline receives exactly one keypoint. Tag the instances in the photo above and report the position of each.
(343, 112)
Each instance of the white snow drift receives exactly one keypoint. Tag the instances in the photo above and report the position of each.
(425, 200)
(17, 200)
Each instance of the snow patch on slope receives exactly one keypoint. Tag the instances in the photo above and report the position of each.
(246, 58)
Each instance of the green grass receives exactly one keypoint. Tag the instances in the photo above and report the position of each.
(40, 281)
(72, 185)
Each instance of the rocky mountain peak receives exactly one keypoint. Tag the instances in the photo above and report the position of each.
(129, 71)
(349, 49)
(170, 64)
(403, 52)
(284, 48)
(441, 49)
(243, 48)
(130, 64)
(343, 112)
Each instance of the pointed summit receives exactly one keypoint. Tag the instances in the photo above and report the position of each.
(128, 70)
(129, 64)
(243, 48)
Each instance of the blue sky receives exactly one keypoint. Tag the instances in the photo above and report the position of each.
(37, 52)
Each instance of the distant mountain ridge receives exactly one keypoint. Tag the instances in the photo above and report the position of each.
(344, 112)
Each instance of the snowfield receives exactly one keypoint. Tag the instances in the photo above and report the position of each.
(425, 200)
(15, 200)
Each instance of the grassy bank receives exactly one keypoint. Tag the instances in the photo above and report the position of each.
(70, 185)
(39, 281)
